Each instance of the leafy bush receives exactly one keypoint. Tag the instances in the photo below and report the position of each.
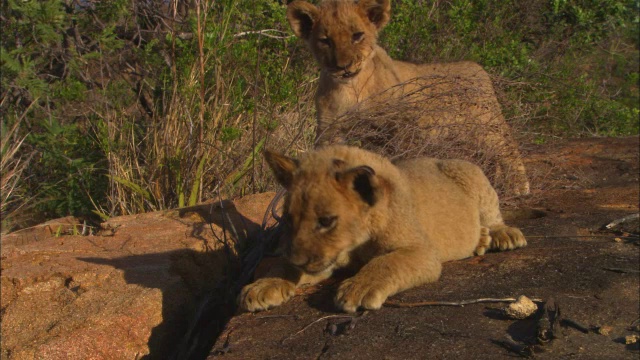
(567, 67)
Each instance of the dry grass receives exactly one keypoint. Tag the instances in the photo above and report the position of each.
(181, 163)
(183, 153)
(426, 121)
(171, 167)
(12, 164)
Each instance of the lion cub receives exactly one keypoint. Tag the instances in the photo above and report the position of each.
(392, 223)
(356, 73)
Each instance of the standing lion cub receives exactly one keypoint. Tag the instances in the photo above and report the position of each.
(455, 99)
(392, 223)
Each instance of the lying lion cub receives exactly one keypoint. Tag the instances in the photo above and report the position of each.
(393, 223)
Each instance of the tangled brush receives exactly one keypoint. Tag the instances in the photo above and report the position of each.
(441, 116)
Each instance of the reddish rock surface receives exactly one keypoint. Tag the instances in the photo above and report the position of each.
(127, 291)
(592, 275)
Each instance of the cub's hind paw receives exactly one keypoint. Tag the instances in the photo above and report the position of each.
(506, 238)
(265, 294)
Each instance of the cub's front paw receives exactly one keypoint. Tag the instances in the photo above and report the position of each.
(265, 294)
(507, 238)
(353, 294)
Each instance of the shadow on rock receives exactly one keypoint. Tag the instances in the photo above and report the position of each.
(198, 287)
(186, 279)
(322, 296)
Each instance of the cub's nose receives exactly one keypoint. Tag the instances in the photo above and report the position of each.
(298, 259)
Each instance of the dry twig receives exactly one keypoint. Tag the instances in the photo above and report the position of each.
(265, 32)
(570, 236)
(617, 222)
(293, 316)
(622, 271)
(392, 303)
(548, 320)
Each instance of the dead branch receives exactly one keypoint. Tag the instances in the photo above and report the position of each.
(622, 271)
(293, 316)
(392, 303)
(547, 321)
(573, 236)
(265, 32)
(617, 222)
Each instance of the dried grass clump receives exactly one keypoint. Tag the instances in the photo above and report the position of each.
(12, 164)
(419, 118)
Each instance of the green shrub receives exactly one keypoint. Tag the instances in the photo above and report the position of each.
(68, 174)
(575, 63)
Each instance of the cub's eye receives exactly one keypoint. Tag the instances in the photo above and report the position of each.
(325, 222)
(325, 41)
(357, 37)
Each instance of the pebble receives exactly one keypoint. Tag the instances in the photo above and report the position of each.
(604, 330)
(631, 339)
(522, 308)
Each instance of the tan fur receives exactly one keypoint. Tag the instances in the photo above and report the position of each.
(393, 224)
(342, 35)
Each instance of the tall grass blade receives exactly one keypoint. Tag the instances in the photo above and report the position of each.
(195, 189)
(235, 176)
(132, 186)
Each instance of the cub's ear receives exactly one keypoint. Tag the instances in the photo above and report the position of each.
(302, 16)
(282, 167)
(338, 163)
(378, 11)
(363, 181)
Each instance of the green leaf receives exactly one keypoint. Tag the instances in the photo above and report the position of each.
(193, 198)
(132, 186)
(101, 214)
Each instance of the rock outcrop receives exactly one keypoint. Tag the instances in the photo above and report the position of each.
(129, 290)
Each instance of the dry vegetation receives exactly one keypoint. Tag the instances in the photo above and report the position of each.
(129, 106)
(12, 165)
(415, 123)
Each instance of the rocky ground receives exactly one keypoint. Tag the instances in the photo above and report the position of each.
(136, 288)
(157, 285)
